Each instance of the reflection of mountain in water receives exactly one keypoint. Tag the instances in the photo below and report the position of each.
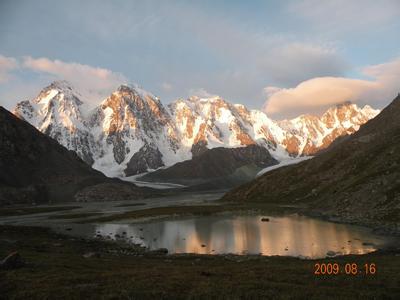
(287, 236)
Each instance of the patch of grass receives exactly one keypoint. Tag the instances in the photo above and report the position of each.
(198, 210)
(56, 269)
(130, 204)
(391, 216)
(167, 211)
(74, 216)
(33, 210)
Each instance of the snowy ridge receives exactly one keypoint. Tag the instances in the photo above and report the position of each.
(131, 132)
(57, 112)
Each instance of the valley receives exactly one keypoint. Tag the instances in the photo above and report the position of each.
(88, 250)
(199, 149)
(188, 217)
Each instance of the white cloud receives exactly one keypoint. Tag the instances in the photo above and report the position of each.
(270, 90)
(7, 64)
(317, 94)
(93, 82)
(166, 86)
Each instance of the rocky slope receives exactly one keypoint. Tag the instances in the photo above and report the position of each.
(357, 180)
(227, 166)
(37, 169)
(57, 112)
(311, 134)
(131, 132)
(214, 122)
(135, 132)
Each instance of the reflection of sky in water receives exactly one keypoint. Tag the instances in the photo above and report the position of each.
(290, 235)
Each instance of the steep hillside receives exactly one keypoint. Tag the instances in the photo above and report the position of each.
(357, 180)
(36, 169)
(228, 166)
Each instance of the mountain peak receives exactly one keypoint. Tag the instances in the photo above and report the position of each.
(59, 90)
(133, 88)
(132, 120)
(205, 99)
(61, 85)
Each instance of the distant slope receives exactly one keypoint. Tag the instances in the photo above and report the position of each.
(227, 166)
(35, 168)
(356, 180)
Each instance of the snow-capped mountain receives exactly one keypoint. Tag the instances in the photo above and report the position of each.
(214, 122)
(57, 112)
(135, 131)
(131, 132)
(309, 134)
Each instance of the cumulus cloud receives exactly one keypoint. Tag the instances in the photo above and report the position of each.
(7, 64)
(316, 94)
(93, 82)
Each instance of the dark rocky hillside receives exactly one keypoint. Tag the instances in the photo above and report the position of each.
(357, 180)
(37, 169)
(222, 167)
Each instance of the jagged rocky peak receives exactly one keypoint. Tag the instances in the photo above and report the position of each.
(58, 87)
(310, 134)
(136, 132)
(58, 98)
(57, 93)
(132, 102)
(131, 131)
(57, 112)
(211, 122)
(347, 112)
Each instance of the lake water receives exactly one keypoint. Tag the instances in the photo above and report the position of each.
(246, 234)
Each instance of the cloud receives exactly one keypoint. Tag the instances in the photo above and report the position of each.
(93, 82)
(280, 59)
(7, 64)
(316, 94)
(293, 62)
(166, 86)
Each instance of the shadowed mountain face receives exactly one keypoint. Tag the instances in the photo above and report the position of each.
(227, 166)
(36, 168)
(356, 180)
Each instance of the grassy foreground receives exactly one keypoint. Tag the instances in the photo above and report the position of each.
(7, 212)
(60, 267)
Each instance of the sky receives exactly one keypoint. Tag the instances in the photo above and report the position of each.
(284, 57)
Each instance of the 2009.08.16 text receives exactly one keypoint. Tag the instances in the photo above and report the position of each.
(347, 269)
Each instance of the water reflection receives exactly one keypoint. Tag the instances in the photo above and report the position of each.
(289, 236)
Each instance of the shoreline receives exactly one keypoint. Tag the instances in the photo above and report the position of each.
(59, 266)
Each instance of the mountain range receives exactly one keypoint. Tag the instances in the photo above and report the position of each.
(132, 132)
(356, 180)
